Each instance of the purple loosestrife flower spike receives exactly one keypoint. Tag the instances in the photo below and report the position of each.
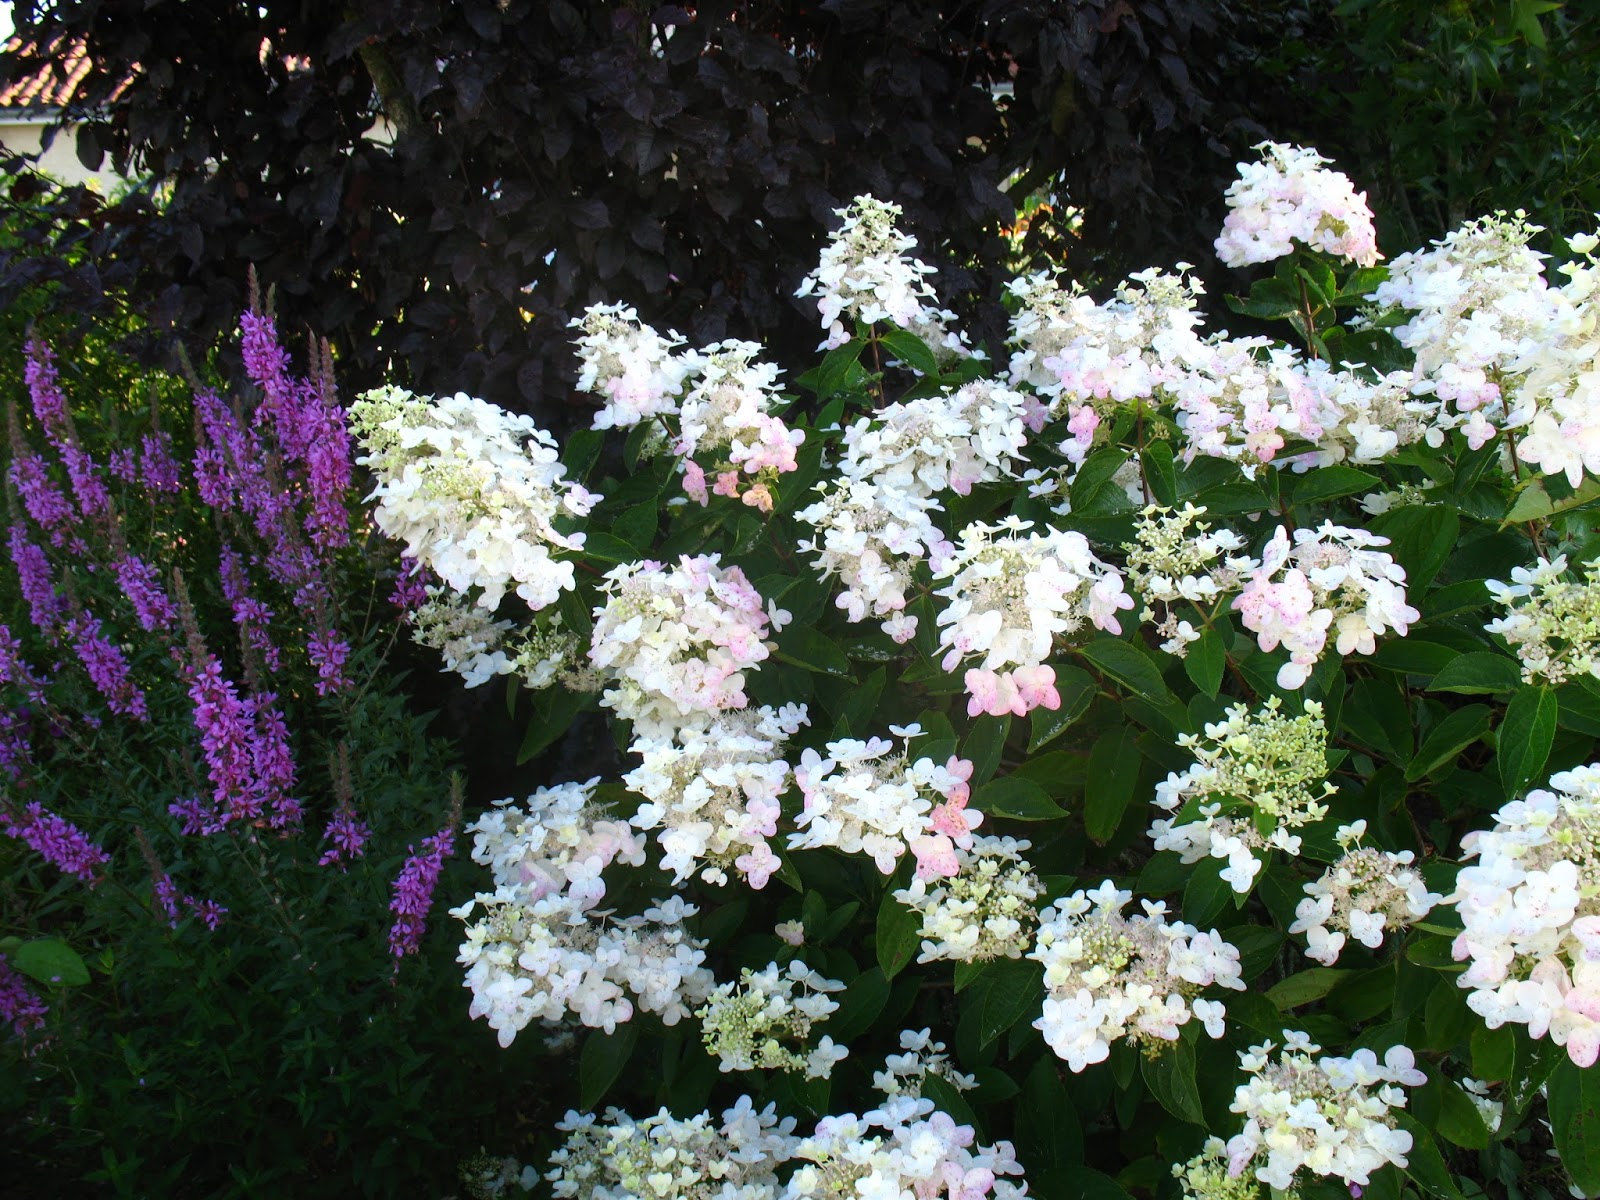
(158, 466)
(251, 615)
(347, 835)
(44, 501)
(141, 584)
(20, 1006)
(58, 841)
(44, 389)
(411, 585)
(413, 891)
(37, 582)
(328, 652)
(15, 669)
(107, 667)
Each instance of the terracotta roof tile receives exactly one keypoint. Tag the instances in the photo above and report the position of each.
(55, 83)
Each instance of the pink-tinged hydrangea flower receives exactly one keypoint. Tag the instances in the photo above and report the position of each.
(1288, 197)
(983, 909)
(1329, 580)
(904, 1147)
(1531, 921)
(713, 794)
(1011, 594)
(673, 642)
(1271, 766)
(629, 363)
(1364, 894)
(868, 798)
(607, 1160)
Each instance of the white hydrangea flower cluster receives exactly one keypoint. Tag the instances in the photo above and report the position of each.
(870, 798)
(1551, 622)
(1364, 893)
(1327, 580)
(1288, 197)
(1090, 359)
(1206, 1176)
(1175, 556)
(550, 958)
(470, 640)
(714, 793)
(674, 641)
(984, 911)
(723, 396)
(1530, 911)
(1011, 592)
(1274, 765)
(1110, 976)
(473, 491)
(931, 444)
(874, 522)
(871, 537)
(1240, 399)
(728, 413)
(563, 841)
(764, 1022)
(666, 1158)
(903, 1148)
(1327, 1116)
(866, 273)
(478, 648)
(1364, 421)
(1490, 1109)
(905, 1073)
(541, 950)
(633, 366)
(1480, 304)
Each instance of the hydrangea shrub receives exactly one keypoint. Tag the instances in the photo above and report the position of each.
(1135, 715)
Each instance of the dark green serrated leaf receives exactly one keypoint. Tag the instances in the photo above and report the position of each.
(1482, 673)
(1076, 688)
(803, 646)
(898, 935)
(1574, 1097)
(1206, 662)
(911, 350)
(1332, 482)
(603, 1057)
(1170, 1076)
(1109, 785)
(1128, 666)
(859, 1006)
(1447, 739)
(1525, 737)
(1018, 799)
(1305, 987)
